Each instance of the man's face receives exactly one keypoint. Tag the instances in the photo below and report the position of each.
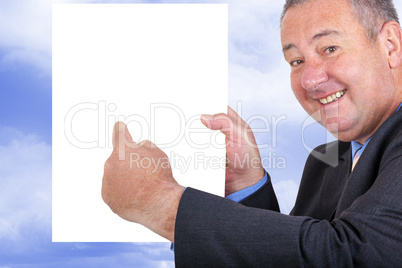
(340, 77)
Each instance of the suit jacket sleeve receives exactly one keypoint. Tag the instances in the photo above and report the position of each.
(365, 230)
(264, 198)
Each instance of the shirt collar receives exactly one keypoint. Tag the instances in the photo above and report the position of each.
(355, 147)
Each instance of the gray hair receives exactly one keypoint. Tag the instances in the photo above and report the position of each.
(371, 13)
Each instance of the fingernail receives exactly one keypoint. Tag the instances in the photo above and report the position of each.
(122, 126)
(207, 117)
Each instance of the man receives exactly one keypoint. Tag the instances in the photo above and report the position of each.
(346, 71)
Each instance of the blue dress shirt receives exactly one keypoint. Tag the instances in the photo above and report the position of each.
(240, 195)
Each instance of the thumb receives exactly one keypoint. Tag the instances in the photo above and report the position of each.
(121, 135)
(220, 122)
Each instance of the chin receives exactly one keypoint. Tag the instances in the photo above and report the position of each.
(345, 136)
(343, 129)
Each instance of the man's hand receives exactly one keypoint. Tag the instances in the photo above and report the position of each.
(243, 167)
(138, 184)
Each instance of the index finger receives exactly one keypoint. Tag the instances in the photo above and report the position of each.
(121, 135)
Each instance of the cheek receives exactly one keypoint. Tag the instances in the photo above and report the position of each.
(358, 70)
(345, 69)
(360, 78)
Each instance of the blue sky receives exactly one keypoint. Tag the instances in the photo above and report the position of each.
(258, 82)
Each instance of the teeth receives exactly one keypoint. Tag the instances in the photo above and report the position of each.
(332, 97)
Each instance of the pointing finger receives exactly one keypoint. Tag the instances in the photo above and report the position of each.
(121, 135)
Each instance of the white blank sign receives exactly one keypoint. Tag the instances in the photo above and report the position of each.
(157, 67)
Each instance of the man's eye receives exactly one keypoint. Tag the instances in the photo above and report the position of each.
(295, 63)
(331, 49)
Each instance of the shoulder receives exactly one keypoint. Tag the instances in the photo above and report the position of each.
(386, 144)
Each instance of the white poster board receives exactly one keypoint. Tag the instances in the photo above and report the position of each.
(157, 67)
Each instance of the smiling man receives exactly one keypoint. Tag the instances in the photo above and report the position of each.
(339, 70)
(346, 72)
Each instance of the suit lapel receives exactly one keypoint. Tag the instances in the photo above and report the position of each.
(368, 166)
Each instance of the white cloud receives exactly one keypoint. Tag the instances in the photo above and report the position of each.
(254, 39)
(25, 28)
(26, 23)
(25, 168)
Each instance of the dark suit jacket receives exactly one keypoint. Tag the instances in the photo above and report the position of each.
(340, 219)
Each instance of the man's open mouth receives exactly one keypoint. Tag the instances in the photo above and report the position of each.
(332, 97)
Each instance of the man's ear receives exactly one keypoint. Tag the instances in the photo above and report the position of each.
(392, 36)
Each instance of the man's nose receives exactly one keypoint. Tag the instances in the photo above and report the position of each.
(314, 74)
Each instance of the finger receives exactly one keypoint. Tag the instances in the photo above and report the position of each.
(121, 135)
(235, 117)
(215, 121)
(247, 133)
(220, 122)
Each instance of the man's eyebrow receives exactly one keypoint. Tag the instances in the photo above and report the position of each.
(287, 47)
(324, 33)
(315, 37)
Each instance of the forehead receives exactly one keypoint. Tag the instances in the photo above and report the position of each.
(303, 22)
